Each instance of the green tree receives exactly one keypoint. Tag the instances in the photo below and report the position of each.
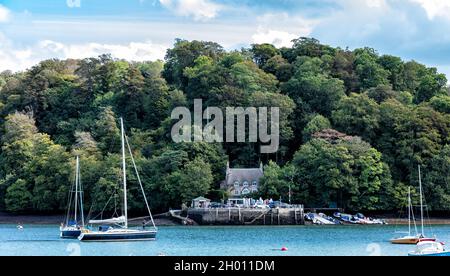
(382, 93)
(316, 124)
(394, 65)
(192, 181)
(357, 115)
(349, 173)
(441, 103)
(262, 53)
(106, 130)
(183, 55)
(369, 71)
(18, 198)
(278, 181)
(437, 181)
(431, 85)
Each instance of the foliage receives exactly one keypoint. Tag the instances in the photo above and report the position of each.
(398, 113)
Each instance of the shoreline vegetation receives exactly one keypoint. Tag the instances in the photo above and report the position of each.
(354, 125)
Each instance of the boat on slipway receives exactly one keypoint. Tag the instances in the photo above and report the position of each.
(358, 219)
(72, 228)
(321, 219)
(117, 228)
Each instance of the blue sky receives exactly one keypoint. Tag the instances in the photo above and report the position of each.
(31, 30)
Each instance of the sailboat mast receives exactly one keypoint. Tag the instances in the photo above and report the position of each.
(125, 203)
(76, 190)
(421, 202)
(409, 210)
(81, 192)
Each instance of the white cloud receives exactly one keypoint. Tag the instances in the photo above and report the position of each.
(4, 14)
(277, 38)
(73, 3)
(200, 10)
(135, 51)
(280, 29)
(435, 8)
(376, 3)
(21, 59)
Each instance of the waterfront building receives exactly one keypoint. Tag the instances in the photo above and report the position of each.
(201, 203)
(242, 182)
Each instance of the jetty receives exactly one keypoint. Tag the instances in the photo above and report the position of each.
(247, 216)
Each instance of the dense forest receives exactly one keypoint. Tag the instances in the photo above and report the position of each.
(354, 127)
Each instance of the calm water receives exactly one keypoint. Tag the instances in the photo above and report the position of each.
(223, 241)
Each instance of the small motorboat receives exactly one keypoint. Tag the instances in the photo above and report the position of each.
(371, 221)
(346, 218)
(319, 219)
(429, 248)
(331, 219)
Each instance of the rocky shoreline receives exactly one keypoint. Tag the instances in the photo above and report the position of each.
(57, 219)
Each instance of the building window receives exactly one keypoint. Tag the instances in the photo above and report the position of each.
(236, 192)
(245, 183)
(255, 183)
(236, 184)
(245, 192)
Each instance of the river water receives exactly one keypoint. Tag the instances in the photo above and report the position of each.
(43, 240)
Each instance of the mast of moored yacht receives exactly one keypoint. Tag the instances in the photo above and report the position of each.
(81, 192)
(421, 203)
(76, 191)
(125, 203)
(409, 210)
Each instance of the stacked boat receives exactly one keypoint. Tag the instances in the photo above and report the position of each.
(358, 219)
(321, 219)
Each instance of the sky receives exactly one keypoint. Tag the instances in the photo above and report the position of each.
(31, 31)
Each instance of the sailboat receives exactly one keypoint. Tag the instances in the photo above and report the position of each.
(71, 229)
(119, 230)
(410, 239)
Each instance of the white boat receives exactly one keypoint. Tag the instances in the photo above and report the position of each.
(366, 220)
(318, 219)
(429, 248)
(71, 229)
(346, 218)
(119, 230)
(414, 239)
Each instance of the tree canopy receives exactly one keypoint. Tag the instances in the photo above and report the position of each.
(354, 126)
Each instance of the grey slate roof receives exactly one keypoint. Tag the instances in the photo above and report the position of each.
(242, 175)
